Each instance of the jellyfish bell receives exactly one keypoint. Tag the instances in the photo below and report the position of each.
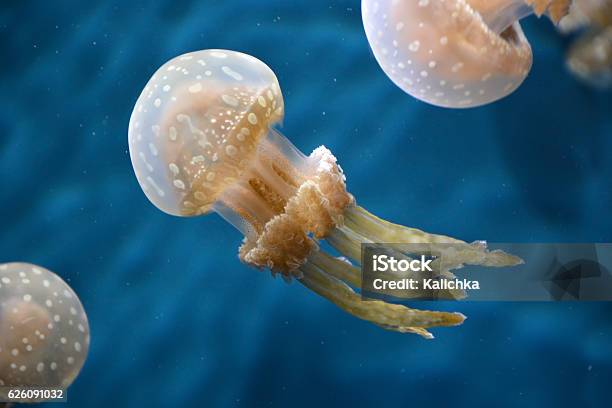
(587, 14)
(216, 150)
(590, 58)
(44, 332)
(454, 53)
(22, 319)
(196, 126)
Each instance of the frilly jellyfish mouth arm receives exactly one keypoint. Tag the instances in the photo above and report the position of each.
(501, 14)
(201, 140)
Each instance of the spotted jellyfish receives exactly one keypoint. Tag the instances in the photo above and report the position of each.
(589, 57)
(454, 53)
(44, 333)
(201, 140)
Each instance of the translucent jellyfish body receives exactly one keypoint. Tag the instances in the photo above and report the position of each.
(195, 123)
(44, 333)
(590, 56)
(454, 53)
(584, 14)
(201, 140)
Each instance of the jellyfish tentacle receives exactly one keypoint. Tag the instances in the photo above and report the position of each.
(414, 330)
(321, 208)
(338, 268)
(379, 230)
(343, 270)
(384, 231)
(391, 316)
(347, 242)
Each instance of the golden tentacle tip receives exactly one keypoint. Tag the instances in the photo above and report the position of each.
(455, 319)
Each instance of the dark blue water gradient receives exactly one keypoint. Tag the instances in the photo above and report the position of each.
(177, 321)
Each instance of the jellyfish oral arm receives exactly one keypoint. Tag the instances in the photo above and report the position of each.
(285, 207)
(501, 14)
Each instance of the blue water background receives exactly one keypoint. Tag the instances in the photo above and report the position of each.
(177, 321)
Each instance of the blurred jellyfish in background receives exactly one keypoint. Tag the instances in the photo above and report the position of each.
(454, 53)
(44, 333)
(589, 57)
(200, 140)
